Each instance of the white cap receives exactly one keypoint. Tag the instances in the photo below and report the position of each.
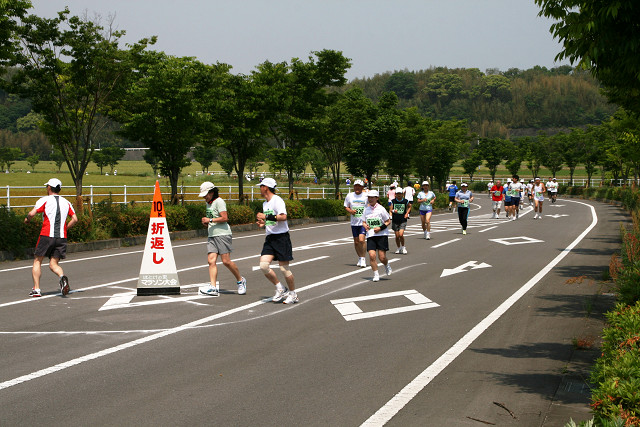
(395, 184)
(425, 182)
(464, 184)
(358, 182)
(205, 187)
(537, 178)
(54, 182)
(269, 182)
(554, 178)
(399, 190)
(373, 193)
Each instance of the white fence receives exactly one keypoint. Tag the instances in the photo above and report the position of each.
(123, 194)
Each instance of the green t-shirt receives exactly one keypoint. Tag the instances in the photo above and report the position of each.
(213, 211)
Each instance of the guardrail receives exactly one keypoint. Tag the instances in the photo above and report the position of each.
(17, 197)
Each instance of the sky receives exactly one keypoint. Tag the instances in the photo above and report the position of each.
(377, 35)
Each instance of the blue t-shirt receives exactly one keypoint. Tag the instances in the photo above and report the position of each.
(453, 189)
(507, 196)
(464, 197)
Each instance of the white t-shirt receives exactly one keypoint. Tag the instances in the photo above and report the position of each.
(430, 195)
(55, 210)
(552, 186)
(515, 188)
(409, 191)
(375, 217)
(356, 202)
(275, 206)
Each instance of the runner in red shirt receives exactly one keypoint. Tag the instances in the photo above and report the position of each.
(53, 237)
(497, 197)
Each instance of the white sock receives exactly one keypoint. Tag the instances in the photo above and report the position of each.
(279, 286)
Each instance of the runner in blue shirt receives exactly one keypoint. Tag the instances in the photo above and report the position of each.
(453, 189)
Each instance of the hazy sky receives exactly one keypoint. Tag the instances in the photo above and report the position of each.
(378, 35)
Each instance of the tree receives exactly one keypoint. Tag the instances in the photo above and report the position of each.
(513, 158)
(402, 83)
(600, 36)
(8, 156)
(493, 152)
(300, 96)
(100, 159)
(113, 156)
(32, 161)
(553, 160)
(399, 152)
(152, 160)
(204, 155)
(72, 70)
(163, 109)
(471, 163)
(573, 150)
(534, 155)
(58, 158)
(444, 142)
(318, 162)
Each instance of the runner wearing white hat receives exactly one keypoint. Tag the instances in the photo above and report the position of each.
(426, 198)
(463, 198)
(218, 241)
(376, 219)
(354, 204)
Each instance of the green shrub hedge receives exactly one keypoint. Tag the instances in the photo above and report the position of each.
(617, 373)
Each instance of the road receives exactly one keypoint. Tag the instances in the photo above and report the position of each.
(463, 322)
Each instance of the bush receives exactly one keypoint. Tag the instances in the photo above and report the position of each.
(12, 232)
(240, 214)
(295, 209)
(321, 208)
(617, 373)
(477, 187)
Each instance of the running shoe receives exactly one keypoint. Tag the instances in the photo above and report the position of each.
(280, 294)
(464, 232)
(242, 286)
(404, 250)
(291, 299)
(64, 285)
(376, 277)
(513, 218)
(363, 263)
(428, 237)
(426, 234)
(35, 293)
(398, 251)
(388, 268)
(517, 214)
(209, 291)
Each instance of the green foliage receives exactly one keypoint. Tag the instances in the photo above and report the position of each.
(295, 209)
(616, 374)
(240, 214)
(12, 232)
(324, 208)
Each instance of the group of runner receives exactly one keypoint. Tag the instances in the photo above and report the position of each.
(369, 226)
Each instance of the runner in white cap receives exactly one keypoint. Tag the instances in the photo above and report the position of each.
(354, 204)
(53, 236)
(399, 209)
(463, 198)
(277, 244)
(426, 198)
(538, 197)
(376, 219)
(218, 241)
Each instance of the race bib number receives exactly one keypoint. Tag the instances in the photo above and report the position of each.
(512, 193)
(497, 193)
(374, 222)
(538, 194)
(267, 213)
(399, 208)
(359, 210)
(464, 204)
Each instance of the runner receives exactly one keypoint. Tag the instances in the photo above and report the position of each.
(399, 211)
(218, 240)
(489, 187)
(453, 189)
(408, 194)
(354, 204)
(497, 197)
(391, 194)
(277, 244)
(554, 190)
(516, 188)
(376, 219)
(52, 241)
(463, 198)
(507, 197)
(426, 199)
(549, 186)
(530, 192)
(538, 198)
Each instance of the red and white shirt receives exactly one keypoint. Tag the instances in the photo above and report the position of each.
(55, 210)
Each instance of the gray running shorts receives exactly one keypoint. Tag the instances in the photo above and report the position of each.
(219, 244)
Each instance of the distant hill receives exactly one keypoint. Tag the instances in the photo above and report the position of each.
(498, 104)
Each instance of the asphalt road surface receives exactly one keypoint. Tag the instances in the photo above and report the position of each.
(468, 330)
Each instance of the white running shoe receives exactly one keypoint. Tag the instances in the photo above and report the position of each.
(426, 233)
(242, 286)
(464, 232)
(404, 250)
(291, 299)
(280, 294)
(513, 218)
(388, 268)
(398, 251)
(428, 237)
(376, 277)
(209, 291)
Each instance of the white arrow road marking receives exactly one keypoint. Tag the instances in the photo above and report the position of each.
(350, 310)
(257, 267)
(462, 268)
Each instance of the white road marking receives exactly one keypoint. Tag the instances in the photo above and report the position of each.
(445, 243)
(155, 336)
(487, 229)
(520, 240)
(462, 268)
(350, 310)
(400, 400)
